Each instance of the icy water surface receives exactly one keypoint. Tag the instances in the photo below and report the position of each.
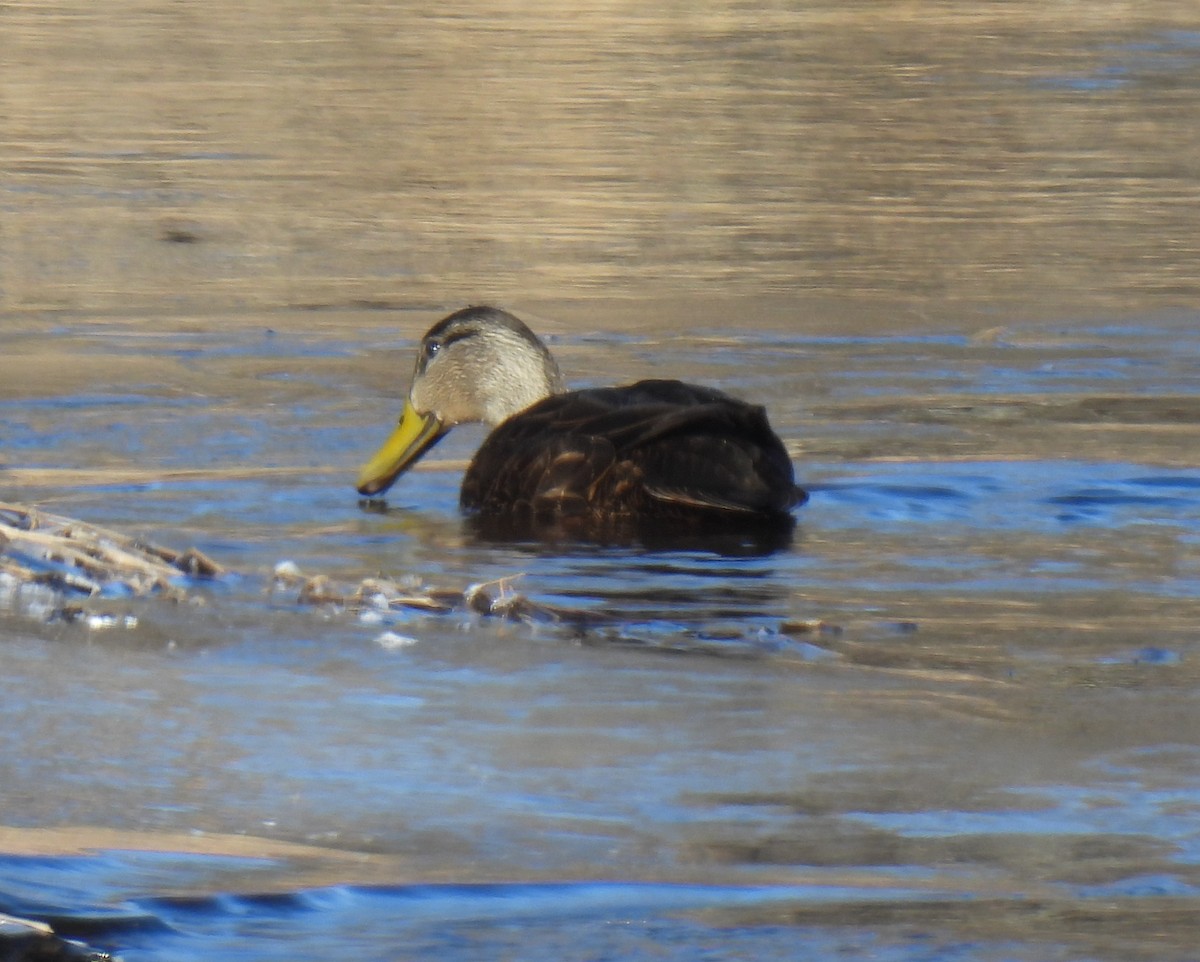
(955, 718)
(952, 247)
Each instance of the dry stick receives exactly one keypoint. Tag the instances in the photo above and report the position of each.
(99, 554)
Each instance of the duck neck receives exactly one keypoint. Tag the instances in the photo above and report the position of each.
(509, 395)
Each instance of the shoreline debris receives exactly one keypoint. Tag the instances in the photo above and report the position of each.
(69, 561)
(77, 558)
(56, 569)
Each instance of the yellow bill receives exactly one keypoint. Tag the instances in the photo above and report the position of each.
(414, 435)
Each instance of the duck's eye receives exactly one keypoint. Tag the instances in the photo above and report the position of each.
(431, 349)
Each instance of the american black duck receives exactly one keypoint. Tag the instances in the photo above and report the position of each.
(657, 451)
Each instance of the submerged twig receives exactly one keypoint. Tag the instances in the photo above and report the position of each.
(490, 598)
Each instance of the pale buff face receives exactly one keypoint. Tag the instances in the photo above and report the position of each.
(481, 371)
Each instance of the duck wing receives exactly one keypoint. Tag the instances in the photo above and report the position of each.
(654, 448)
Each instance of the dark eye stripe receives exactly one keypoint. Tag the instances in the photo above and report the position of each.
(457, 335)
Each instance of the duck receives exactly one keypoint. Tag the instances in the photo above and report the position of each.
(660, 452)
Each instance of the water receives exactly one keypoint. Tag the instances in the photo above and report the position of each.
(970, 677)
(179, 160)
(954, 718)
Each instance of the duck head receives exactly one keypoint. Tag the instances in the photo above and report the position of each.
(478, 364)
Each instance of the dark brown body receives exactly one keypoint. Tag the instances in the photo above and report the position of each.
(651, 451)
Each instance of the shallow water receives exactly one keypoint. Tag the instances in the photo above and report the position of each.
(954, 718)
(970, 677)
